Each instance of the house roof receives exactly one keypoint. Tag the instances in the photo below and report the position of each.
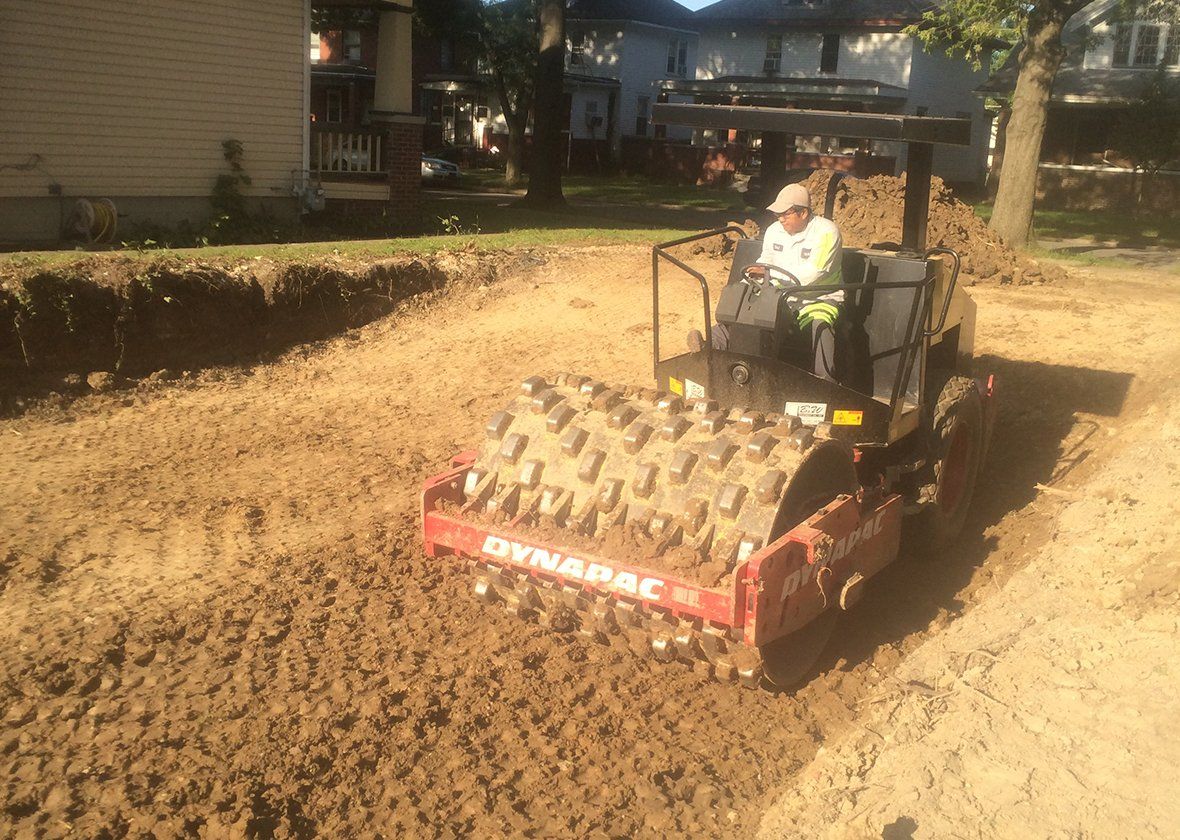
(815, 11)
(661, 12)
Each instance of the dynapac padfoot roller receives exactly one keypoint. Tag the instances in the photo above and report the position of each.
(727, 514)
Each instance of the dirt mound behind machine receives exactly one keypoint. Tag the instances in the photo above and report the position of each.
(728, 513)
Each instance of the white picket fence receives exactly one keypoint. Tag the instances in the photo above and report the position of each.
(340, 152)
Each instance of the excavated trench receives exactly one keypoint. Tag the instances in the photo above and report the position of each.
(220, 620)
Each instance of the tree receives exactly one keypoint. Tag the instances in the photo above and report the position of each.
(968, 26)
(545, 177)
(1149, 132)
(504, 36)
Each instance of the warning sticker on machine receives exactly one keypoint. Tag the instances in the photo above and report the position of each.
(847, 418)
(809, 414)
(694, 390)
(676, 386)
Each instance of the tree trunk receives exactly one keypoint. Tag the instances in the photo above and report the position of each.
(549, 110)
(513, 159)
(993, 172)
(1039, 59)
(514, 155)
(516, 117)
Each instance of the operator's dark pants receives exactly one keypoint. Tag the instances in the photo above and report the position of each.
(823, 346)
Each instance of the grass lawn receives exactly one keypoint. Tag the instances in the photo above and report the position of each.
(619, 189)
(472, 224)
(1106, 226)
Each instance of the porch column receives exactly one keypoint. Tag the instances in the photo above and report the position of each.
(393, 112)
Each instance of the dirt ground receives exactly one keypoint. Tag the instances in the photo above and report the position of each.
(218, 621)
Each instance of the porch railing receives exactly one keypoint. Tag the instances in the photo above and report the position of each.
(346, 152)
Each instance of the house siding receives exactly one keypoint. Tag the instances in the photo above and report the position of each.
(942, 85)
(645, 50)
(731, 51)
(128, 99)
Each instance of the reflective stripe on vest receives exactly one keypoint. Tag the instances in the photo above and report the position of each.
(818, 311)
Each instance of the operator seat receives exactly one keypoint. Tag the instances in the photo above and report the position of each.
(853, 364)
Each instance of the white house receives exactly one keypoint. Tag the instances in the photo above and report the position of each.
(638, 43)
(849, 55)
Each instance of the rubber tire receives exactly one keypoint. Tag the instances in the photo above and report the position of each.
(787, 661)
(958, 410)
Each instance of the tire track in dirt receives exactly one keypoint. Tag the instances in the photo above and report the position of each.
(219, 620)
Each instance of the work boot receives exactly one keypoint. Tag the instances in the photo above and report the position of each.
(696, 341)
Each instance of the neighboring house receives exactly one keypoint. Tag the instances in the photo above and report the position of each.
(452, 98)
(627, 47)
(133, 105)
(366, 137)
(1108, 63)
(847, 55)
(617, 53)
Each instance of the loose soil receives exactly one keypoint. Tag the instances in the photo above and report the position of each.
(219, 621)
(869, 211)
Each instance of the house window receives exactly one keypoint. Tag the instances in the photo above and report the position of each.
(335, 106)
(774, 54)
(1147, 45)
(642, 110)
(1172, 46)
(446, 55)
(352, 45)
(315, 46)
(577, 48)
(678, 57)
(829, 54)
(1122, 44)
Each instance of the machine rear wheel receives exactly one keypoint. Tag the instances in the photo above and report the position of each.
(957, 449)
(788, 660)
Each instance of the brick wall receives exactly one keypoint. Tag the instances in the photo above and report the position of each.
(403, 153)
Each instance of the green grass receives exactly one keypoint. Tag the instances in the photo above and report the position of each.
(619, 189)
(1116, 227)
(479, 225)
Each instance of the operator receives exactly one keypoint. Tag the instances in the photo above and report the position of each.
(808, 247)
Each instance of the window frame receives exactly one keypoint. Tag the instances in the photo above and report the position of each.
(1127, 45)
(677, 64)
(577, 47)
(773, 62)
(832, 52)
(337, 94)
(1171, 56)
(351, 51)
(1154, 58)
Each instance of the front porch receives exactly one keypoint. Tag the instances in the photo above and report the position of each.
(364, 141)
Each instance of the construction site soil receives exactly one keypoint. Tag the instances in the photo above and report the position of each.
(219, 622)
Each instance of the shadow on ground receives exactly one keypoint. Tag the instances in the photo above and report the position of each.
(1038, 439)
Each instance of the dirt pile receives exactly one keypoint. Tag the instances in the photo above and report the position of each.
(869, 212)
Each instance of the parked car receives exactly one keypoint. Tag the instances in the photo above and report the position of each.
(437, 171)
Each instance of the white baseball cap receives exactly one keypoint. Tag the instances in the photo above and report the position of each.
(792, 195)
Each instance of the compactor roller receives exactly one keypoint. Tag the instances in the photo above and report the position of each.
(725, 516)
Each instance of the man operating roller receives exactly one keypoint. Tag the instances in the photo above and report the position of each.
(806, 247)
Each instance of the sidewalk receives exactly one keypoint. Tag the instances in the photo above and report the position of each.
(1149, 256)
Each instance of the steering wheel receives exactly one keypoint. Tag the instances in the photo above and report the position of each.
(759, 281)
